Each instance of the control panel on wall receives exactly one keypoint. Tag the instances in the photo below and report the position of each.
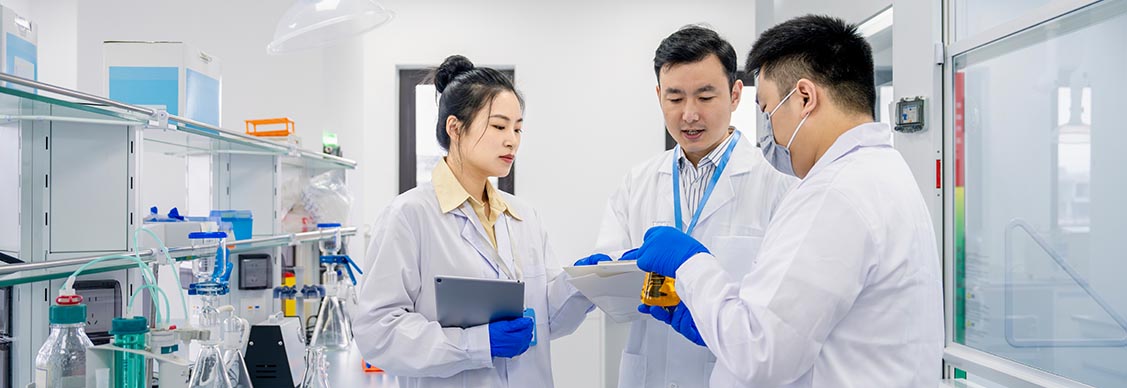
(255, 271)
(910, 114)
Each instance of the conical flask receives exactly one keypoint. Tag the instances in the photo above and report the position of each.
(236, 369)
(210, 371)
(333, 329)
(235, 330)
(316, 368)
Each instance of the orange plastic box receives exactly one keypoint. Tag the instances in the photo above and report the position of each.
(252, 127)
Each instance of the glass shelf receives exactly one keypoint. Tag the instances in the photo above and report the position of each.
(13, 274)
(179, 136)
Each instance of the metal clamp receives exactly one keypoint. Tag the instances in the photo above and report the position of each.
(160, 117)
(346, 262)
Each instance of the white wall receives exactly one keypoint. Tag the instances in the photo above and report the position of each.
(318, 89)
(853, 11)
(55, 20)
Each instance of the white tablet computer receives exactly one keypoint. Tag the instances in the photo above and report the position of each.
(466, 302)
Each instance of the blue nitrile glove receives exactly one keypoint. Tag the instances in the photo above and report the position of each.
(629, 255)
(510, 338)
(683, 323)
(664, 314)
(679, 318)
(665, 249)
(592, 260)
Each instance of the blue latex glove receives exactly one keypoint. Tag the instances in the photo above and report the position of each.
(510, 338)
(592, 260)
(678, 317)
(665, 249)
(629, 255)
(664, 314)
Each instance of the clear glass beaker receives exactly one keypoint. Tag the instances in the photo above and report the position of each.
(208, 264)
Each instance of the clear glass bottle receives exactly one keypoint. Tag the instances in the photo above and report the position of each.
(61, 361)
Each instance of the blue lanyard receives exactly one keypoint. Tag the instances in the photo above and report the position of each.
(707, 190)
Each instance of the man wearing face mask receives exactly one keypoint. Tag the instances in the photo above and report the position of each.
(846, 287)
(715, 185)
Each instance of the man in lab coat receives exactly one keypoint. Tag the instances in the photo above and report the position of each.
(727, 190)
(845, 290)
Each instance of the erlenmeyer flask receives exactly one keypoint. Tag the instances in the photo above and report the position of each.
(210, 371)
(316, 368)
(236, 369)
(333, 329)
(234, 331)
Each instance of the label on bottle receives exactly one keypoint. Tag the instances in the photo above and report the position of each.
(41, 378)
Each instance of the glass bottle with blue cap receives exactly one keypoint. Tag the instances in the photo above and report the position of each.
(61, 361)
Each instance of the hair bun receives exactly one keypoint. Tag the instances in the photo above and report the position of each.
(450, 69)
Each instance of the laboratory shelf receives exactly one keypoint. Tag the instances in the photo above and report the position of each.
(13, 274)
(289, 239)
(165, 133)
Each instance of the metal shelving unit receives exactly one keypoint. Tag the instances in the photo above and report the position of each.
(114, 112)
(14, 274)
(75, 164)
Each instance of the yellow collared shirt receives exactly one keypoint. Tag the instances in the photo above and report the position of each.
(451, 195)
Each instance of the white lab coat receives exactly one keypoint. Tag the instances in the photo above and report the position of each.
(731, 226)
(846, 290)
(396, 326)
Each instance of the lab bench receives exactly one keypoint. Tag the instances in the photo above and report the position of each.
(345, 371)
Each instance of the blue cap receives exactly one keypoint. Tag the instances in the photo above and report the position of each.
(201, 235)
(124, 326)
(329, 225)
(67, 314)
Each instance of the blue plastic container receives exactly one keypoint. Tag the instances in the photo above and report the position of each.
(242, 221)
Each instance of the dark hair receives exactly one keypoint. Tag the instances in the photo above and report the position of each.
(465, 90)
(824, 49)
(693, 44)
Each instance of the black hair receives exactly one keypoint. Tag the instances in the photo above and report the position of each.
(693, 44)
(824, 49)
(465, 89)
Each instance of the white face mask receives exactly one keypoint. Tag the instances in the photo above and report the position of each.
(778, 156)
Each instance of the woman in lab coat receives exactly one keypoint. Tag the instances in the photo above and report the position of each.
(460, 225)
